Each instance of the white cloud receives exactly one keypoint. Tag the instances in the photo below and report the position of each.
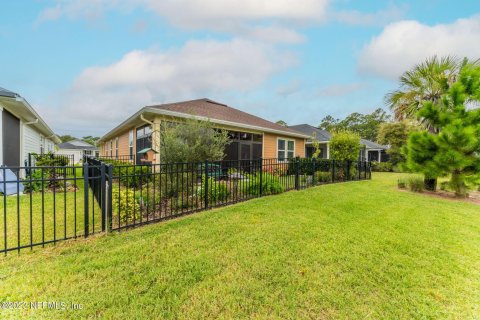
(227, 14)
(337, 90)
(105, 95)
(403, 44)
(210, 14)
(289, 88)
(381, 17)
(274, 34)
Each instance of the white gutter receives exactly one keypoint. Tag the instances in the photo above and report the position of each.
(32, 122)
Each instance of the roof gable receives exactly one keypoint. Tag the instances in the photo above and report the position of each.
(76, 144)
(218, 111)
(321, 135)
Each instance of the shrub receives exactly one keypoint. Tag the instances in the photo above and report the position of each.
(187, 202)
(323, 177)
(127, 205)
(444, 185)
(34, 186)
(132, 176)
(402, 184)
(50, 160)
(382, 166)
(416, 184)
(270, 184)
(174, 183)
(217, 190)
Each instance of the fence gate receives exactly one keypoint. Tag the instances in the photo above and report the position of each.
(98, 176)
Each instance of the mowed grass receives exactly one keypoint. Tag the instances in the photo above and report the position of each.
(343, 251)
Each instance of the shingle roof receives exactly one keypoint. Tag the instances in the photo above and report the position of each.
(372, 145)
(323, 135)
(76, 144)
(7, 93)
(217, 111)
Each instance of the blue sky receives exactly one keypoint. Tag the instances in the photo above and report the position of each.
(86, 65)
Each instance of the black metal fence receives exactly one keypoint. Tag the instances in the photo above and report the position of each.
(101, 197)
(44, 205)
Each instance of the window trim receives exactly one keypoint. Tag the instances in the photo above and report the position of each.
(286, 150)
(131, 137)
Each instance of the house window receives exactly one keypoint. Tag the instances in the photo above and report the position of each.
(130, 144)
(42, 145)
(244, 146)
(116, 148)
(144, 140)
(285, 149)
(111, 148)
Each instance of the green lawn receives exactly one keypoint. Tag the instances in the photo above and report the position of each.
(341, 251)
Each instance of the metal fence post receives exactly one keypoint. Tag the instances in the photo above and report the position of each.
(349, 163)
(333, 170)
(314, 169)
(109, 197)
(297, 173)
(85, 199)
(261, 176)
(103, 201)
(205, 194)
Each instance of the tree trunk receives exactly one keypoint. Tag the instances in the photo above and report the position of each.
(430, 184)
(458, 183)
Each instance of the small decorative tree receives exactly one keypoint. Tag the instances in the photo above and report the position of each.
(345, 146)
(395, 134)
(191, 141)
(317, 150)
(455, 150)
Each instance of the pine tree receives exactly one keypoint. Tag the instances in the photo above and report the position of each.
(455, 150)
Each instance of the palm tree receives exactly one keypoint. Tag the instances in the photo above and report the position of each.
(427, 81)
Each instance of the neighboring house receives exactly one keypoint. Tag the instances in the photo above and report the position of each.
(252, 137)
(22, 130)
(78, 149)
(370, 151)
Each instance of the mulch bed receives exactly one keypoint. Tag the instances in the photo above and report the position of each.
(474, 196)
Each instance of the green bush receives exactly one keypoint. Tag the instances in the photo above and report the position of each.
(345, 145)
(323, 177)
(50, 160)
(187, 202)
(132, 176)
(416, 184)
(308, 165)
(382, 166)
(217, 190)
(270, 184)
(445, 185)
(126, 205)
(34, 186)
(402, 184)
